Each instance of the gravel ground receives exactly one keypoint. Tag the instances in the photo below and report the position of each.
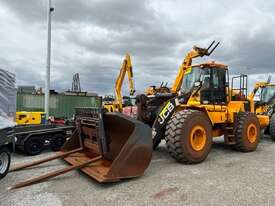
(227, 177)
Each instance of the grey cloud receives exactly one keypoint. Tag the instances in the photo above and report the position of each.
(113, 14)
(92, 37)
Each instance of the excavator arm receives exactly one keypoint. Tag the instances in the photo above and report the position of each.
(187, 62)
(125, 68)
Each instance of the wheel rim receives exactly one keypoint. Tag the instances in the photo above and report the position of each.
(252, 133)
(198, 138)
(59, 142)
(4, 162)
(35, 147)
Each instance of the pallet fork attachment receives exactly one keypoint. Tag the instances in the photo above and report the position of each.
(108, 147)
(54, 174)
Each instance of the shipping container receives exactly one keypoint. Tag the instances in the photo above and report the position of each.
(61, 106)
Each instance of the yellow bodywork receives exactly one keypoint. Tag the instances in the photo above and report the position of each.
(126, 67)
(218, 114)
(224, 113)
(109, 107)
(152, 90)
(30, 118)
(261, 109)
(264, 120)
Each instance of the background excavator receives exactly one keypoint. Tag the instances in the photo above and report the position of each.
(148, 104)
(115, 104)
(205, 108)
(265, 104)
(153, 90)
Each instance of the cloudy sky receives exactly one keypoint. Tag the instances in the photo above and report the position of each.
(91, 37)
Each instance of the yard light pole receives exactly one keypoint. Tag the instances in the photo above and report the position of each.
(48, 67)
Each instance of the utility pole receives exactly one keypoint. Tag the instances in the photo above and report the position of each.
(48, 67)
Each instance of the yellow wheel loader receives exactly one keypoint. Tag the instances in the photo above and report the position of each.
(115, 104)
(148, 104)
(207, 107)
(265, 105)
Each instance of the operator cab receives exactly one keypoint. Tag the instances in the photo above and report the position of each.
(210, 80)
(108, 99)
(268, 94)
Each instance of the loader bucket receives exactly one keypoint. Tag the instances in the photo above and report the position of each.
(124, 143)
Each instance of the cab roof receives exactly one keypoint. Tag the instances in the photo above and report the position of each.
(212, 64)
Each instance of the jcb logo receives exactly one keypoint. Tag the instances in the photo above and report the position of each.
(165, 112)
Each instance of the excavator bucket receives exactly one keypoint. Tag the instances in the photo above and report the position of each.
(108, 147)
(124, 143)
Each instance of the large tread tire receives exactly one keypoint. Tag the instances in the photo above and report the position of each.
(5, 160)
(34, 145)
(57, 141)
(177, 136)
(272, 127)
(241, 133)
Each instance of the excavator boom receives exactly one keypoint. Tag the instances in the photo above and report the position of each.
(125, 68)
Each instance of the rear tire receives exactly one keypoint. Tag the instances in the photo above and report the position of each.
(57, 141)
(188, 136)
(247, 132)
(272, 127)
(34, 145)
(5, 160)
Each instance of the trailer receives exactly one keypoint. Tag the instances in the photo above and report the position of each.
(7, 146)
(32, 139)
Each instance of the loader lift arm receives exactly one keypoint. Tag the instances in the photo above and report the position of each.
(187, 62)
(125, 68)
(154, 97)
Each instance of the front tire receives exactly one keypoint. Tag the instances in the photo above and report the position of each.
(272, 127)
(247, 133)
(5, 160)
(189, 136)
